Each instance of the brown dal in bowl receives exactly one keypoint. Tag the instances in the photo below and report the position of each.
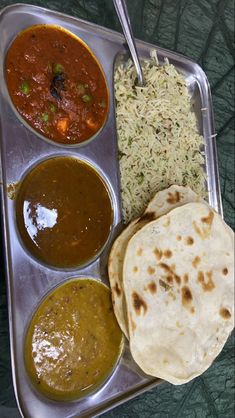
(63, 212)
(73, 341)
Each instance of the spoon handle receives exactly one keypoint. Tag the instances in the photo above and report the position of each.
(122, 12)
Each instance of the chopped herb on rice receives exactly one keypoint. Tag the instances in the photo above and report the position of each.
(158, 139)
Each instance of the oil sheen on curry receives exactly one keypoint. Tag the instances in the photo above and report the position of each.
(63, 212)
(73, 341)
(56, 84)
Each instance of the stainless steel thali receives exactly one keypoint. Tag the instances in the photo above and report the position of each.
(27, 280)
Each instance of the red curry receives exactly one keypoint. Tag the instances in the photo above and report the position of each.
(56, 84)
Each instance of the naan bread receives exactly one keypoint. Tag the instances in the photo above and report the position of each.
(178, 281)
(162, 203)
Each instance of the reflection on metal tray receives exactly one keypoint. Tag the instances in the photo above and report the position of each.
(27, 280)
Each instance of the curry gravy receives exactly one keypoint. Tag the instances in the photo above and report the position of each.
(73, 340)
(63, 212)
(56, 84)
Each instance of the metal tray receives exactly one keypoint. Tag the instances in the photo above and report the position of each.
(27, 280)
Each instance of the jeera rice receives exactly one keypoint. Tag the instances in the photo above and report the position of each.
(158, 139)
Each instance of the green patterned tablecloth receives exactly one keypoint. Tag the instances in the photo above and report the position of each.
(204, 31)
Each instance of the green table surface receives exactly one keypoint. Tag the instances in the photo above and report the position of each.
(204, 31)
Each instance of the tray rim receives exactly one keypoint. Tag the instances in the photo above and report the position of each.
(102, 28)
(109, 403)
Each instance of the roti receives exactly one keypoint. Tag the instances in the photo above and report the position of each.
(163, 202)
(178, 282)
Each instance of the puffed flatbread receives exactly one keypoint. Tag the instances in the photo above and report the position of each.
(163, 202)
(178, 279)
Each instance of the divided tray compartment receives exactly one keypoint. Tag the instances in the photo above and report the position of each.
(28, 281)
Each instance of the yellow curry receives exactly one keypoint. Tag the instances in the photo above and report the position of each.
(73, 341)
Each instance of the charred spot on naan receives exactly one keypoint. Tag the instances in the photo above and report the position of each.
(132, 323)
(208, 219)
(196, 261)
(189, 240)
(170, 271)
(147, 217)
(179, 238)
(139, 252)
(225, 271)
(204, 230)
(169, 279)
(186, 295)
(150, 270)
(152, 287)
(138, 303)
(158, 253)
(113, 300)
(167, 253)
(135, 269)
(173, 198)
(225, 313)
(162, 253)
(208, 285)
(187, 299)
(117, 289)
(185, 278)
(164, 285)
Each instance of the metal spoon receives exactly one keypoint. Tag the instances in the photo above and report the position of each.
(122, 12)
